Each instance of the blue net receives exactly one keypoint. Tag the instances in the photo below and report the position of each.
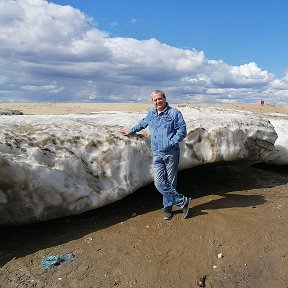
(54, 261)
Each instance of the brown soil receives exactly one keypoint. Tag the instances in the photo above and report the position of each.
(239, 211)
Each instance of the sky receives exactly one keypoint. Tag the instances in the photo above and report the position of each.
(225, 51)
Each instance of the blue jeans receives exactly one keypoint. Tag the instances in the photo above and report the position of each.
(165, 168)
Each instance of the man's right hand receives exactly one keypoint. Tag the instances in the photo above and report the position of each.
(125, 132)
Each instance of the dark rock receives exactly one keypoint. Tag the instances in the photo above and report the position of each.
(10, 112)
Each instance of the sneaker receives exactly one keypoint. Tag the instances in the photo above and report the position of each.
(167, 214)
(186, 207)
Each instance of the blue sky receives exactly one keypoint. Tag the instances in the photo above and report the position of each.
(226, 51)
(236, 31)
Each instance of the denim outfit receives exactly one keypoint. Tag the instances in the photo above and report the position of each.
(167, 129)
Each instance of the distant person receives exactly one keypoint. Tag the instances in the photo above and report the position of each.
(167, 128)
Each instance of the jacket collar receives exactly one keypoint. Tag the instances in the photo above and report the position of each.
(167, 107)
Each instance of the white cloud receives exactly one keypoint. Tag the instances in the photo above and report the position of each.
(114, 24)
(244, 75)
(136, 20)
(55, 53)
(50, 88)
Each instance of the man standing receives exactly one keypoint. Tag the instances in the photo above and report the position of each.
(167, 128)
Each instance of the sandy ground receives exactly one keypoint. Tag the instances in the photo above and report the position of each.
(71, 108)
(238, 211)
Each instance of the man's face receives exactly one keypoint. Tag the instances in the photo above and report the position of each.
(159, 101)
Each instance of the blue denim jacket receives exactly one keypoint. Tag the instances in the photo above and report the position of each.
(166, 129)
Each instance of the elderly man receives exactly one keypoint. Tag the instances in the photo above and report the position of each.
(167, 128)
